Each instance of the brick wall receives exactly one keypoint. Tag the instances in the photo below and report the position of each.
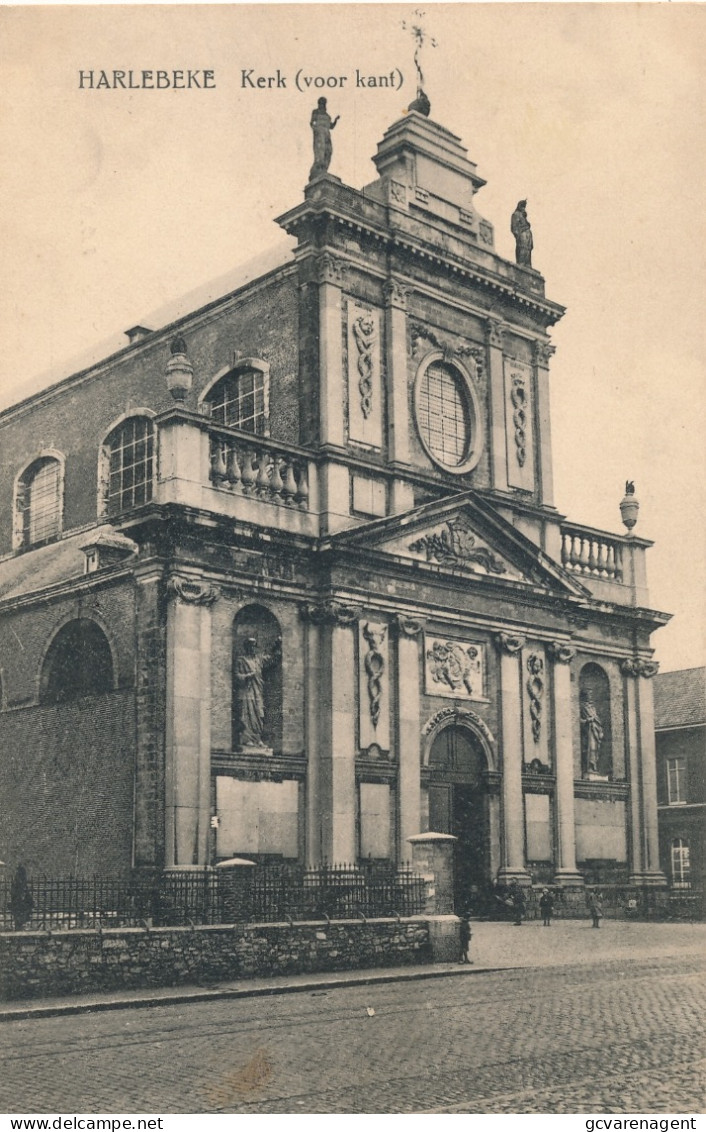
(66, 780)
(34, 964)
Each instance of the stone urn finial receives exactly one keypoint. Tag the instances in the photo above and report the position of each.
(629, 506)
(179, 371)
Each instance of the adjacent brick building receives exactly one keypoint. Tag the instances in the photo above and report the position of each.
(680, 724)
(286, 577)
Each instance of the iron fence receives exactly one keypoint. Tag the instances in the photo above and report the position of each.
(265, 894)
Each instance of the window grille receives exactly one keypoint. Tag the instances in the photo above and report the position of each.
(676, 781)
(444, 418)
(39, 502)
(681, 863)
(130, 458)
(238, 400)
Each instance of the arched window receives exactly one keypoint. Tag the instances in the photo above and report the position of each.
(595, 723)
(448, 415)
(38, 502)
(681, 864)
(127, 465)
(78, 663)
(241, 398)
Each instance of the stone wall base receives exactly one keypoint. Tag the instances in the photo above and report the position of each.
(41, 964)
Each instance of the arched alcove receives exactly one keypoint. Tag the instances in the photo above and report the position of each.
(595, 719)
(257, 680)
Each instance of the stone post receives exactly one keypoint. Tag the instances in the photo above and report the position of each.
(235, 878)
(408, 630)
(432, 858)
(188, 721)
(566, 872)
(513, 867)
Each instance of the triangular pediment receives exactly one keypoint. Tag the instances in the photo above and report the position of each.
(463, 535)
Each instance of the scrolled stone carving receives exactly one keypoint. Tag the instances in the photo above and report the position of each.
(374, 663)
(535, 691)
(560, 653)
(543, 353)
(330, 270)
(496, 331)
(633, 666)
(408, 626)
(395, 293)
(365, 337)
(509, 643)
(449, 714)
(330, 613)
(419, 332)
(455, 543)
(191, 591)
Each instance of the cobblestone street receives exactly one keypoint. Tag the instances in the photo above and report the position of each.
(607, 1035)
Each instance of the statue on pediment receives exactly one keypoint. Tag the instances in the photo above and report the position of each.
(322, 124)
(522, 231)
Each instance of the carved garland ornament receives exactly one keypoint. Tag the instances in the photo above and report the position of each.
(560, 653)
(518, 396)
(365, 335)
(330, 613)
(450, 352)
(408, 626)
(452, 714)
(535, 690)
(456, 544)
(374, 663)
(509, 643)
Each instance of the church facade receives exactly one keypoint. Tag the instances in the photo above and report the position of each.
(286, 577)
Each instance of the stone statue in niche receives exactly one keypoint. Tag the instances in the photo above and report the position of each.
(322, 124)
(592, 734)
(250, 669)
(522, 231)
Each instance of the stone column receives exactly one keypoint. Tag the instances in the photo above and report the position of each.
(643, 728)
(566, 872)
(496, 390)
(513, 867)
(402, 493)
(408, 677)
(149, 833)
(542, 354)
(188, 721)
(636, 857)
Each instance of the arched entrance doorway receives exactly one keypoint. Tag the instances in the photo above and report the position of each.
(458, 804)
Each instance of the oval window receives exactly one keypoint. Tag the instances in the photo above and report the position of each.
(444, 415)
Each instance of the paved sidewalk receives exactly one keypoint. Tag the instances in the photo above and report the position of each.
(494, 947)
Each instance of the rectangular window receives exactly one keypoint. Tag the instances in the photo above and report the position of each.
(681, 864)
(676, 781)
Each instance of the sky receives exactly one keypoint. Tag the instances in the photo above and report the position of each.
(114, 203)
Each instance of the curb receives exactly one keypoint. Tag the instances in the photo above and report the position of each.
(180, 997)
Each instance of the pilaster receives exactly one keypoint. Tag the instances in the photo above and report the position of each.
(566, 872)
(542, 354)
(513, 867)
(496, 407)
(408, 679)
(643, 763)
(188, 721)
(401, 495)
(330, 273)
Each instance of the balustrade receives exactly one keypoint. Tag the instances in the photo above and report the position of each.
(257, 469)
(591, 553)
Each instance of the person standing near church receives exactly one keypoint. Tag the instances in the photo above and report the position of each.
(465, 938)
(546, 907)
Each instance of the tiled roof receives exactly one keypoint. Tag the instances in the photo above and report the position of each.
(680, 698)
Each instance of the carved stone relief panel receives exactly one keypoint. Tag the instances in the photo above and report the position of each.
(518, 425)
(373, 684)
(535, 711)
(364, 376)
(454, 668)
